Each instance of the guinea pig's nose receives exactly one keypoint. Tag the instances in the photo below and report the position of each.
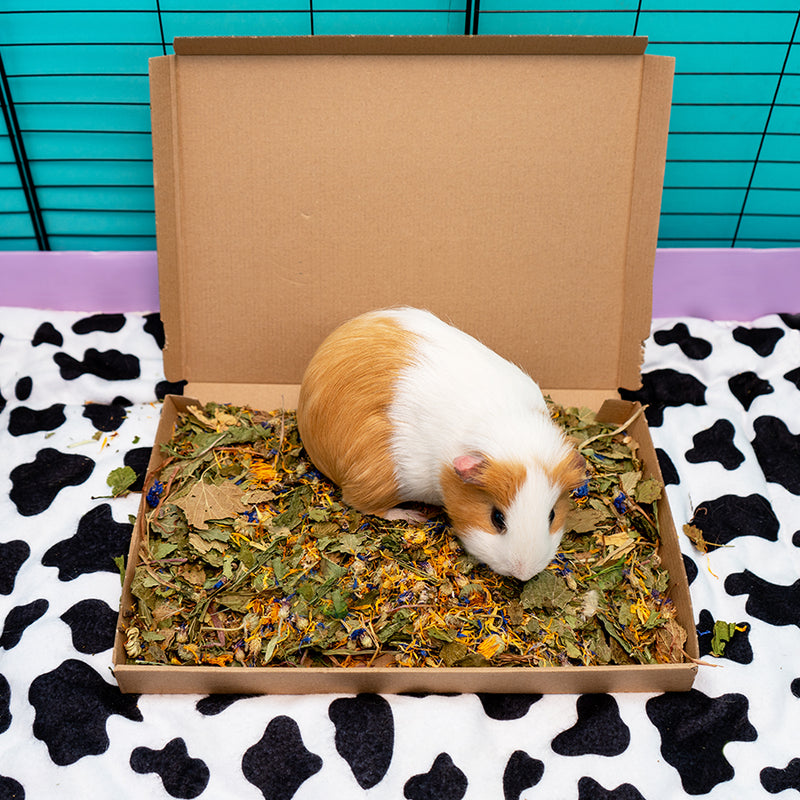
(520, 571)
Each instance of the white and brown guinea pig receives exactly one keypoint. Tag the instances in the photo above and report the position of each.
(396, 405)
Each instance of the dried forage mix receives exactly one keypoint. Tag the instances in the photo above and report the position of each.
(249, 558)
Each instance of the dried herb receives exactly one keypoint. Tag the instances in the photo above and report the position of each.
(120, 480)
(722, 633)
(249, 557)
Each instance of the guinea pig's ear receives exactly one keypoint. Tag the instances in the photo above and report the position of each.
(470, 467)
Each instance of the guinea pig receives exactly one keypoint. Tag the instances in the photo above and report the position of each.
(396, 406)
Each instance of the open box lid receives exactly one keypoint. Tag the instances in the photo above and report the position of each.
(512, 185)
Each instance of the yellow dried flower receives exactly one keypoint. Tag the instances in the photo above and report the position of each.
(491, 646)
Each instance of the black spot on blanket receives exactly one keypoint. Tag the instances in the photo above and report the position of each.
(137, 459)
(279, 762)
(694, 730)
(364, 736)
(23, 388)
(12, 556)
(691, 569)
(599, 729)
(793, 376)
(215, 704)
(762, 340)
(36, 484)
(772, 603)
(668, 471)
(181, 775)
(5, 705)
(105, 323)
(11, 789)
(23, 420)
(72, 706)
(666, 387)
(93, 624)
(110, 365)
(589, 789)
(692, 346)
(20, 618)
(795, 687)
(747, 386)
(716, 444)
(163, 388)
(107, 417)
(737, 649)
(775, 780)
(93, 548)
(155, 327)
(778, 452)
(727, 517)
(47, 334)
(444, 781)
(791, 321)
(521, 773)
(507, 706)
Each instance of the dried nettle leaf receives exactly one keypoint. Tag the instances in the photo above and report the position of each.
(250, 558)
(120, 480)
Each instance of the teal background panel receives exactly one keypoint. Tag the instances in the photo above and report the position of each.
(779, 176)
(703, 200)
(709, 147)
(712, 174)
(717, 27)
(705, 88)
(740, 6)
(231, 23)
(719, 118)
(408, 23)
(689, 229)
(569, 23)
(780, 149)
(76, 80)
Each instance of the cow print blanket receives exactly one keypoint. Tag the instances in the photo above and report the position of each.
(79, 397)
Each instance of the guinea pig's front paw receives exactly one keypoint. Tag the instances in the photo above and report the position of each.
(416, 515)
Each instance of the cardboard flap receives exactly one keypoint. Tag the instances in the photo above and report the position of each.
(408, 45)
(510, 184)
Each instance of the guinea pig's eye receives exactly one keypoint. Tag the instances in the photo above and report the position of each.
(498, 520)
(552, 516)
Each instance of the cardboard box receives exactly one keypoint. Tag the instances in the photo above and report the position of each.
(509, 184)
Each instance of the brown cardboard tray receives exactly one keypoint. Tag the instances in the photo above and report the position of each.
(510, 184)
(293, 680)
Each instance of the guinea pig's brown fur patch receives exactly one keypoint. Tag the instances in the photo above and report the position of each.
(569, 474)
(342, 410)
(470, 504)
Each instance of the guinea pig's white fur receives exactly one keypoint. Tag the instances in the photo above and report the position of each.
(398, 406)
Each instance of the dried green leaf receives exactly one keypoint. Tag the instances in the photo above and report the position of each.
(453, 652)
(120, 562)
(695, 536)
(318, 514)
(545, 590)
(722, 634)
(648, 491)
(583, 520)
(207, 501)
(120, 480)
(629, 481)
(670, 641)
